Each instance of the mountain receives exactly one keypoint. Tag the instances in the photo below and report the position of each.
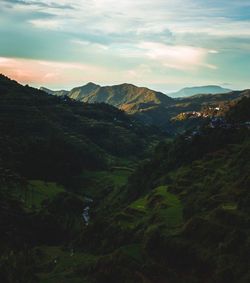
(189, 91)
(155, 108)
(83, 93)
(55, 92)
(215, 98)
(51, 137)
(141, 102)
(124, 96)
(198, 107)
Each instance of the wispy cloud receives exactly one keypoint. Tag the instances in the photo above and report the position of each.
(51, 24)
(39, 72)
(41, 4)
(171, 37)
(178, 57)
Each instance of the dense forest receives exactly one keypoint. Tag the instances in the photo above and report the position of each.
(90, 194)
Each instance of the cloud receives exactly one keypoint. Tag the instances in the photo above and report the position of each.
(140, 72)
(179, 57)
(171, 37)
(89, 44)
(39, 72)
(46, 24)
(41, 4)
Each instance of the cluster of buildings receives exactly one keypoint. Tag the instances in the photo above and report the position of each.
(220, 122)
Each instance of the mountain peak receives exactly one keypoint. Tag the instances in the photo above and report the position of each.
(127, 85)
(91, 84)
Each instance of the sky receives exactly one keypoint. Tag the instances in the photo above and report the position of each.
(161, 44)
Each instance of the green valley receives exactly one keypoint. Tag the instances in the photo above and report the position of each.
(91, 194)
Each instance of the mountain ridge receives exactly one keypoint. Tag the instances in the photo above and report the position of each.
(120, 95)
(54, 92)
(152, 107)
(207, 89)
(184, 92)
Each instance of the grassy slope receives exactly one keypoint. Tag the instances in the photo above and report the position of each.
(61, 265)
(38, 191)
(161, 204)
(74, 267)
(190, 221)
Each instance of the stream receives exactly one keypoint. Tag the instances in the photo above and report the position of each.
(86, 209)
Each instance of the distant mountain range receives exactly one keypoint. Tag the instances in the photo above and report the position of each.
(150, 106)
(209, 89)
(92, 91)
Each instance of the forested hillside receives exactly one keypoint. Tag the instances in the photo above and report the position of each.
(52, 149)
(89, 194)
(49, 137)
(184, 215)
